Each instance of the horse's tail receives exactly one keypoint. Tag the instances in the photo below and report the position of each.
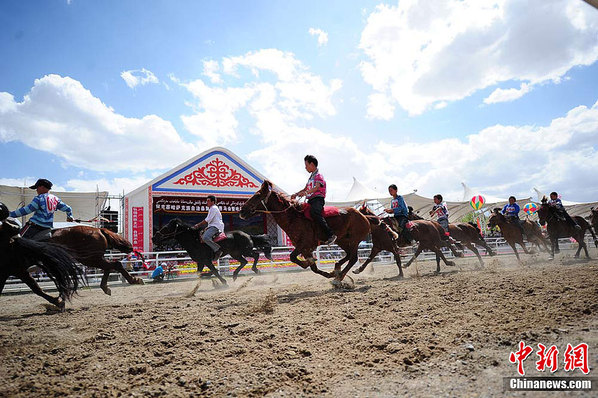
(262, 242)
(477, 229)
(115, 241)
(56, 262)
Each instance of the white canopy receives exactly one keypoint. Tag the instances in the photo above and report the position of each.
(85, 205)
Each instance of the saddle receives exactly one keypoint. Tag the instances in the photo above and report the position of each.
(216, 238)
(329, 211)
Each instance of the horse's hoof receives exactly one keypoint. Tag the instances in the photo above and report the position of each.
(234, 277)
(356, 271)
(108, 291)
(139, 281)
(450, 264)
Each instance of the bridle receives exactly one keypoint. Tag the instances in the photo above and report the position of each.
(266, 211)
(170, 235)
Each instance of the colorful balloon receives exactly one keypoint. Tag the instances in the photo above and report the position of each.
(477, 202)
(530, 208)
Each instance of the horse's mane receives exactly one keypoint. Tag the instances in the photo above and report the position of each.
(286, 202)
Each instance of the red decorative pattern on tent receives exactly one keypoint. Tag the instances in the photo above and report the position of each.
(216, 174)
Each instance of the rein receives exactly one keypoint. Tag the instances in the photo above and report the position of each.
(266, 211)
(170, 235)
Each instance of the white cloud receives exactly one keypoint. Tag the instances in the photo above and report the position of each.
(115, 186)
(210, 69)
(278, 84)
(322, 36)
(505, 95)
(420, 53)
(500, 160)
(136, 77)
(60, 116)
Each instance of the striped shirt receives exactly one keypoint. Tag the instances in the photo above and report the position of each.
(441, 211)
(43, 206)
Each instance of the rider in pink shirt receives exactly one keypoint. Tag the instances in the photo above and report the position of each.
(315, 192)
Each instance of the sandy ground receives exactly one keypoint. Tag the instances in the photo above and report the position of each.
(293, 334)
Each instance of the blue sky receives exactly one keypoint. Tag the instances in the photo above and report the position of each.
(501, 95)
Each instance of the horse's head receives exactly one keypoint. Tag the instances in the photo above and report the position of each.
(495, 218)
(594, 215)
(169, 231)
(544, 211)
(366, 211)
(257, 201)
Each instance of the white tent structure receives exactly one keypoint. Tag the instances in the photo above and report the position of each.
(85, 205)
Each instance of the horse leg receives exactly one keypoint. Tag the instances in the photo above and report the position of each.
(417, 253)
(474, 249)
(352, 260)
(337, 266)
(363, 266)
(516, 252)
(256, 257)
(29, 281)
(447, 262)
(294, 257)
(104, 283)
(398, 261)
(117, 266)
(243, 263)
(215, 272)
(486, 246)
(3, 278)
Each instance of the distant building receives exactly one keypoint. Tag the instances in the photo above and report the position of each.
(182, 192)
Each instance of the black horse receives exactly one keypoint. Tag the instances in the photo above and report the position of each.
(559, 228)
(237, 244)
(18, 254)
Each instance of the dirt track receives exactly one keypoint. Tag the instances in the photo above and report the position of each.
(293, 334)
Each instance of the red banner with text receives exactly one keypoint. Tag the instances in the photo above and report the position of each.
(137, 219)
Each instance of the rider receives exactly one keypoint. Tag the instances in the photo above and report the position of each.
(556, 203)
(43, 206)
(315, 192)
(442, 213)
(511, 212)
(399, 209)
(215, 226)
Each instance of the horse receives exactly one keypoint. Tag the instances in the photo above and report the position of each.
(18, 254)
(237, 244)
(349, 225)
(594, 223)
(425, 232)
(88, 246)
(558, 228)
(469, 235)
(510, 231)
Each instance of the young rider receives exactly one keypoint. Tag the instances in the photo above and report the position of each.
(315, 192)
(441, 211)
(398, 208)
(43, 206)
(555, 202)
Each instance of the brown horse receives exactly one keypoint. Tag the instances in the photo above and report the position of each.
(427, 233)
(510, 231)
(558, 228)
(469, 235)
(349, 225)
(88, 245)
(18, 254)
